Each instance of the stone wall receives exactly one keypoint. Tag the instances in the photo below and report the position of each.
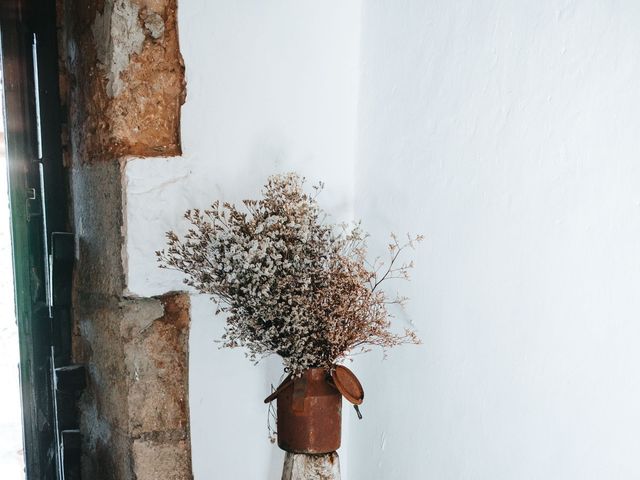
(127, 78)
(122, 82)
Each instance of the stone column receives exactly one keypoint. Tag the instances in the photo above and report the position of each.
(298, 466)
(122, 85)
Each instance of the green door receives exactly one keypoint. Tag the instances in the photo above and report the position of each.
(42, 251)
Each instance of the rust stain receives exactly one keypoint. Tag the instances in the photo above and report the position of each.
(309, 413)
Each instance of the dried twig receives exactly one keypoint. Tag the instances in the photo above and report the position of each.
(290, 283)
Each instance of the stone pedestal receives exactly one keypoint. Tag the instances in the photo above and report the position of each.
(299, 466)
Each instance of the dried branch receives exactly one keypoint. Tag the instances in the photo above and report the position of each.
(290, 283)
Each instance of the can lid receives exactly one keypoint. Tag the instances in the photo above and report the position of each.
(348, 384)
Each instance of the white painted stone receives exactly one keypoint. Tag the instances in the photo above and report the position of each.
(311, 467)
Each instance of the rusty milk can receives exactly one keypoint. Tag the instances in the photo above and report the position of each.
(310, 409)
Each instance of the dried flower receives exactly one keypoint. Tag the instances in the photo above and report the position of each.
(290, 284)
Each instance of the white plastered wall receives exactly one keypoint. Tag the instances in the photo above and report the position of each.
(506, 132)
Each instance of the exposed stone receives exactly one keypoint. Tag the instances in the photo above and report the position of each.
(128, 82)
(136, 355)
(122, 84)
(96, 192)
(155, 461)
(156, 357)
(104, 407)
(117, 35)
(154, 23)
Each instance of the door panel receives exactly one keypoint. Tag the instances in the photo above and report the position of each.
(39, 217)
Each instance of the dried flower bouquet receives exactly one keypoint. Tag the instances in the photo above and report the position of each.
(290, 283)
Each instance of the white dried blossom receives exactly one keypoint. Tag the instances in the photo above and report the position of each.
(291, 284)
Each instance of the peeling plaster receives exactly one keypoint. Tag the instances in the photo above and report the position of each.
(128, 83)
(117, 35)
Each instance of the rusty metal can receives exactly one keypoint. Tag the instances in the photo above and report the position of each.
(309, 413)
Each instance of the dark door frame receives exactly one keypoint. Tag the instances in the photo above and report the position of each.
(39, 216)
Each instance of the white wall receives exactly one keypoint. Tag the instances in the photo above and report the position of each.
(271, 87)
(507, 132)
